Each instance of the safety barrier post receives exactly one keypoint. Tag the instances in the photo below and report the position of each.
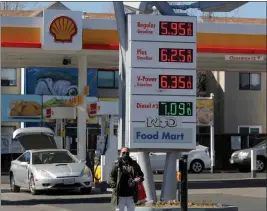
(253, 163)
(179, 182)
(184, 186)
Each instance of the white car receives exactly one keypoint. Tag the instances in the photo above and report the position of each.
(198, 160)
(44, 167)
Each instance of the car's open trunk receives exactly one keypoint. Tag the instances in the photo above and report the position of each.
(37, 141)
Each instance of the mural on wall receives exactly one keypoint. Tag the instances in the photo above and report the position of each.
(57, 81)
(64, 101)
(21, 108)
(55, 101)
(205, 112)
(31, 108)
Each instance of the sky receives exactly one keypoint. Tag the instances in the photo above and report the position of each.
(249, 10)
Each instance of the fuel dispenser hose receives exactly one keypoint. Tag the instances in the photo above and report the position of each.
(99, 159)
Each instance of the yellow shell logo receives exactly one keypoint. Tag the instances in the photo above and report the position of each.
(63, 29)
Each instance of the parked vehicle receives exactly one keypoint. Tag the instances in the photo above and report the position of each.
(198, 160)
(44, 167)
(241, 159)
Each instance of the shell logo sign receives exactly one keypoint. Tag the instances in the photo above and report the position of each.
(93, 108)
(63, 29)
(49, 113)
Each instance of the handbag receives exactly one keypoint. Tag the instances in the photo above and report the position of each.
(141, 192)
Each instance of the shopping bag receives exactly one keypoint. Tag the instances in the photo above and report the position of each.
(141, 192)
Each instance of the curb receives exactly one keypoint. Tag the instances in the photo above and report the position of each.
(219, 184)
(230, 208)
(215, 184)
(32, 208)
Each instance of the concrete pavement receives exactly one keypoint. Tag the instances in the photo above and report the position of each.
(246, 192)
(31, 208)
(247, 199)
(192, 177)
(219, 180)
(209, 181)
(216, 176)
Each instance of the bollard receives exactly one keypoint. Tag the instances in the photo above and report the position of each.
(179, 191)
(253, 164)
(178, 175)
(184, 187)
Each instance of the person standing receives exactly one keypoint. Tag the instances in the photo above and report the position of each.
(123, 178)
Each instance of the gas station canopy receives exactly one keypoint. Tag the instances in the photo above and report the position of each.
(29, 41)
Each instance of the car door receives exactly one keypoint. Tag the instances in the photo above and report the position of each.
(17, 168)
(23, 169)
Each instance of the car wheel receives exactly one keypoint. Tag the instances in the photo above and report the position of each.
(86, 190)
(32, 186)
(260, 164)
(13, 187)
(197, 166)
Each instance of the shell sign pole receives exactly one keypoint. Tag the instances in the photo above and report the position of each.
(159, 64)
(62, 30)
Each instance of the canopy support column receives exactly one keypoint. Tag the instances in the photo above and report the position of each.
(81, 111)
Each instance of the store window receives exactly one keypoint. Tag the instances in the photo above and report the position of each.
(6, 137)
(247, 129)
(107, 79)
(249, 81)
(8, 77)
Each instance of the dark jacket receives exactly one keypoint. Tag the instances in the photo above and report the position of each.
(115, 176)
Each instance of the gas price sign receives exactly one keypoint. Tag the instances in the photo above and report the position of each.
(160, 28)
(152, 106)
(170, 28)
(162, 55)
(175, 82)
(176, 55)
(163, 82)
(175, 108)
(161, 89)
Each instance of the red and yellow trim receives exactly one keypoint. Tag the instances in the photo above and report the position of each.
(109, 40)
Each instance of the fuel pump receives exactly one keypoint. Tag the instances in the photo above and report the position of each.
(61, 115)
(101, 148)
(60, 134)
(106, 150)
(107, 145)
